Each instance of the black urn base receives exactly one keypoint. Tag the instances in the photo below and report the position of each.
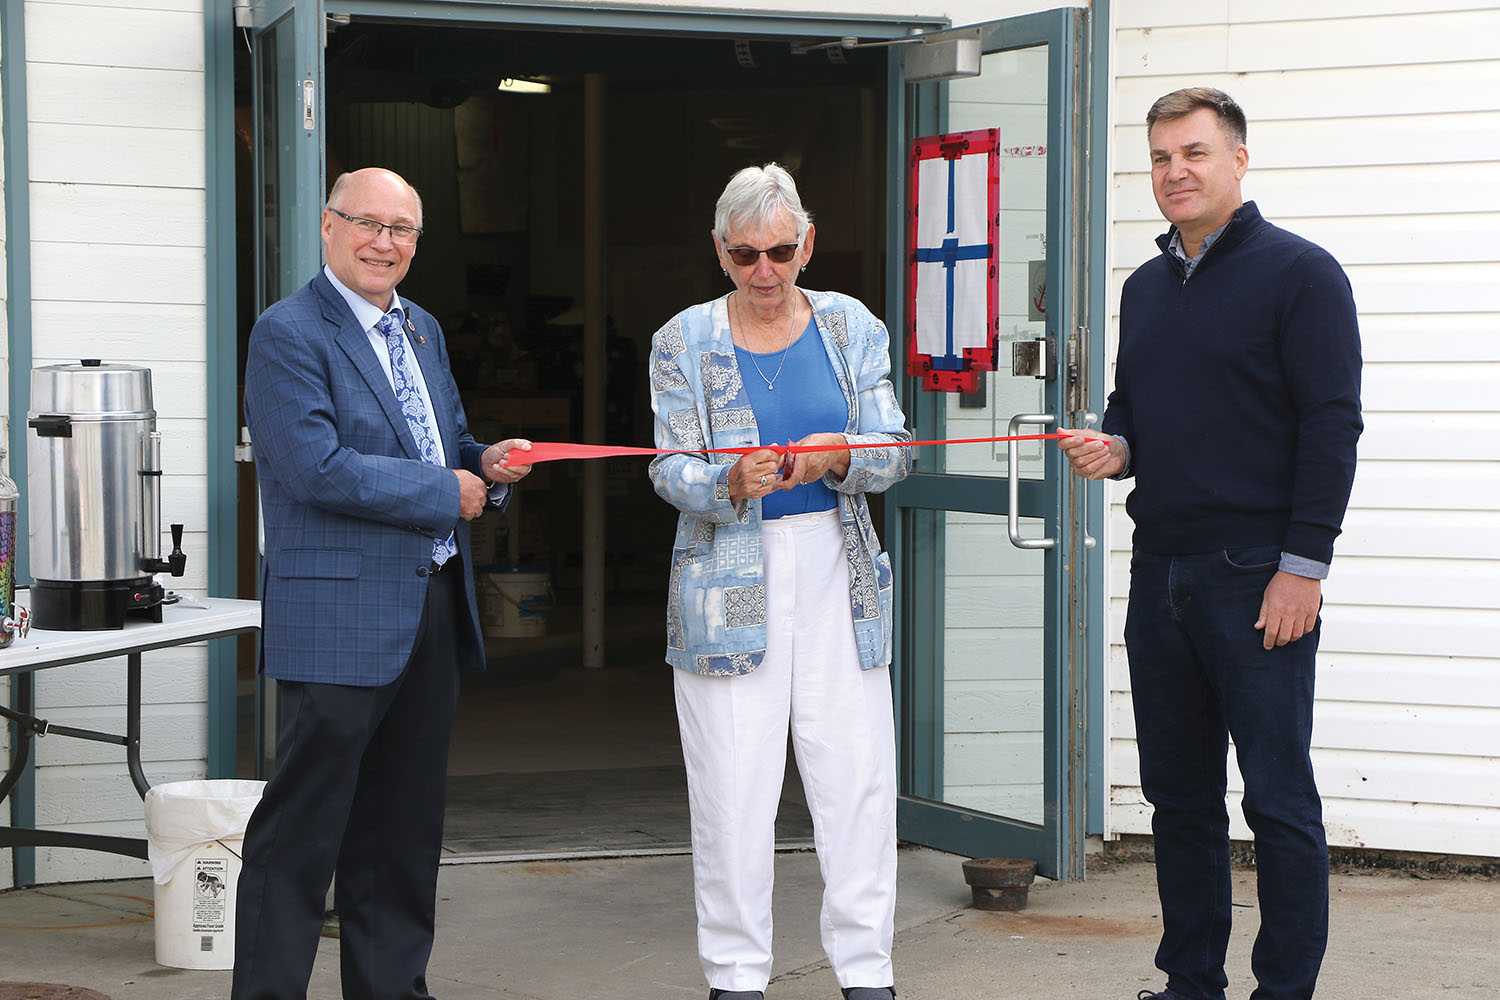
(93, 606)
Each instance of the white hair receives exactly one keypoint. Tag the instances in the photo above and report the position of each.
(757, 196)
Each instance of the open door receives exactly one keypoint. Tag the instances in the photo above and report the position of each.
(287, 79)
(988, 547)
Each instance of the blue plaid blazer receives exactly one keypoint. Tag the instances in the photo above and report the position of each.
(350, 508)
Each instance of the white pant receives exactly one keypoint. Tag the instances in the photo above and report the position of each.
(734, 744)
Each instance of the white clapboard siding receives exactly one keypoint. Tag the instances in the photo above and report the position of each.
(82, 35)
(7, 868)
(1375, 132)
(95, 214)
(1169, 13)
(138, 332)
(1366, 192)
(69, 94)
(1468, 137)
(1266, 96)
(117, 161)
(1361, 42)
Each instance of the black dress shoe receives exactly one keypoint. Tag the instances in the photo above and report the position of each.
(736, 995)
(869, 993)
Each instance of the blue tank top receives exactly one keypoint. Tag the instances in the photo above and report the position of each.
(807, 400)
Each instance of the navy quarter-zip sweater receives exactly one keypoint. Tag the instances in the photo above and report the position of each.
(1238, 391)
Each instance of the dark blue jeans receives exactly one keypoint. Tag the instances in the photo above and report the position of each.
(1199, 675)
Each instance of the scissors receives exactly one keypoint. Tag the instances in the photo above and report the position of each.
(785, 469)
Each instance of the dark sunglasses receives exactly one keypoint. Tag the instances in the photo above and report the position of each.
(747, 256)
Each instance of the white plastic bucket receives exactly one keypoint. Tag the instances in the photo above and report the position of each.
(513, 604)
(194, 837)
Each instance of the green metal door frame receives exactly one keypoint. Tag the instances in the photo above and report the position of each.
(308, 190)
(222, 370)
(1058, 842)
(1097, 614)
(18, 333)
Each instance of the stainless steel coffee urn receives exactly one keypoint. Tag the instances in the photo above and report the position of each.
(94, 497)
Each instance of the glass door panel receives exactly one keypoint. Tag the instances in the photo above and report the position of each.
(1010, 93)
(984, 701)
(991, 679)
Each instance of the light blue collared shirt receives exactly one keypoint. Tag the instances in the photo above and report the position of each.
(1180, 252)
(368, 314)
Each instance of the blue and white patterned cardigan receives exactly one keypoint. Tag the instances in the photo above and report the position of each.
(716, 594)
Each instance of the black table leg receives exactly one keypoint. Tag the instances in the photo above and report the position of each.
(27, 725)
(20, 750)
(133, 724)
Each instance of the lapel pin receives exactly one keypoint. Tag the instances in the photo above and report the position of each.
(421, 340)
(410, 326)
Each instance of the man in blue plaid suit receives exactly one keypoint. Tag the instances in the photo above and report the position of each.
(369, 477)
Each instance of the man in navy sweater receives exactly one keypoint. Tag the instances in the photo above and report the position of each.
(1236, 410)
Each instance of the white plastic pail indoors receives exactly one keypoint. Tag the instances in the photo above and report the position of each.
(513, 603)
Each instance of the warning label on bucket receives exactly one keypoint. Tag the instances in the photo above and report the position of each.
(210, 895)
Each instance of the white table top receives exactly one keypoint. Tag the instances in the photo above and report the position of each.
(192, 619)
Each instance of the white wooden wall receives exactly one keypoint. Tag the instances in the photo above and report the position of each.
(1375, 132)
(115, 96)
(6, 869)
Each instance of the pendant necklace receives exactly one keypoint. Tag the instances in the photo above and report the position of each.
(771, 382)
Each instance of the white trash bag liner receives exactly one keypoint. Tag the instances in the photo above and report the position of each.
(182, 816)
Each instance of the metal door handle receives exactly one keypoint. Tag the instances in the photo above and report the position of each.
(1013, 515)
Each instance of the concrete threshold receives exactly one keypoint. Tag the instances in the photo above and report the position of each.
(602, 853)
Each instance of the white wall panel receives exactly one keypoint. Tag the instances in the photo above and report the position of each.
(117, 154)
(109, 154)
(1245, 11)
(1374, 131)
(6, 866)
(1283, 94)
(1469, 137)
(1287, 194)
(102, 214)
(63, 93)
(140, 332)
(95, 272)
(103, 36)
(169, 5)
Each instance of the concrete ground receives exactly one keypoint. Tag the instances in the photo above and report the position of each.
(623, 930)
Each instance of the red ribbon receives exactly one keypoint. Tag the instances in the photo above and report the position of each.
(558, 451)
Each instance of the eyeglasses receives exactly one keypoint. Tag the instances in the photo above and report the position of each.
(404, 235)
(747, 256)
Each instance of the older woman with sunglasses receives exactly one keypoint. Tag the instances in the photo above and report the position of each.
(779, 600)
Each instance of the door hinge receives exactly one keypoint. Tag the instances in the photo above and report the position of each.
(1077, 369)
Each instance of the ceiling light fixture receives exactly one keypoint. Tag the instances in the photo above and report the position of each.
(510, 85)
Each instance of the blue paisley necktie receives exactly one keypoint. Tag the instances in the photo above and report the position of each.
(409, 395)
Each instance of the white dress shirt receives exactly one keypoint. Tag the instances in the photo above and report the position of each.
(367, 314)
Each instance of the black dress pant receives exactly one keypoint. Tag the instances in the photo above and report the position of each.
(359, 789)
(1199, 675)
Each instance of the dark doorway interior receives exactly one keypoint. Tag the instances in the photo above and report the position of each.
(548, 757)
